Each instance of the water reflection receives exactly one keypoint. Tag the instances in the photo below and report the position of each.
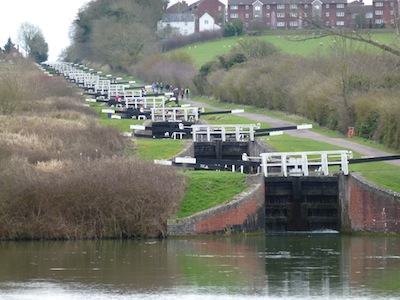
(305, 265)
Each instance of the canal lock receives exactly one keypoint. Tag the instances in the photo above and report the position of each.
(302, 203)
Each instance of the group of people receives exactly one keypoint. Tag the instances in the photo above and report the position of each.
(179, 93)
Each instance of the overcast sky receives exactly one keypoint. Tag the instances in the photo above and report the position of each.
(53, 17)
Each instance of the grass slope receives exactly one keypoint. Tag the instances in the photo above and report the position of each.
(208, 189)
(291, 43)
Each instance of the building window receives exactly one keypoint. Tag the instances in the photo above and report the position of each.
(391, 12)
(280, 15)
(280, 24)
(268, 15)
(234, 7)
(378, 4)
(247, 7)
(379, 12)
(327, 14)
(268, 6)
(246, 16)
(340, 14)
(280, 6)
(293, 15)
(316, 10)
(205, 21)
(234, 16)
(293, 24)
(379, 21)
(340, 23)
(327, 5)
(340, 5)
(305, 6)
(293, 6)
(257, 11)
(219, 7)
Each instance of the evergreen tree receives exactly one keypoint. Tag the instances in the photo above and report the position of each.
(8, 46)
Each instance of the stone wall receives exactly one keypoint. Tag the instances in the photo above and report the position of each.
(368, 207)
(244, 213)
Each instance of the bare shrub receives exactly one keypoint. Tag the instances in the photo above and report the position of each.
(388, 130)
(377, 120)
(181, 57)
(263, 83)
(182, 41)
(167, 70)
(43, 139)
(254, 48)
(12, 89)
(21, 84)
(108, 198)
(69, 108)
(42, 86)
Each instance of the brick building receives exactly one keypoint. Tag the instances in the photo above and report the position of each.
(386, 13)
(207, 15)
(295, 14)
(213, 8)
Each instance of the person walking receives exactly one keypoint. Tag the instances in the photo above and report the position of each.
(187, 92)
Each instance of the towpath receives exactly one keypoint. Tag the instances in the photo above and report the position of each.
(341, 142)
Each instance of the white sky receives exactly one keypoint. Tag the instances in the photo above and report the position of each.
(53, 17)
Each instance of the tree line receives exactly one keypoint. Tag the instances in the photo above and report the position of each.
(32, 41)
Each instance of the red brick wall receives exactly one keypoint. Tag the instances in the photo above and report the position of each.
(372, 208)
(245, 213)
(222, 222)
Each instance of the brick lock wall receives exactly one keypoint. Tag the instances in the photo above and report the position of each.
(226, 220)
(372, 208)
(245, 213)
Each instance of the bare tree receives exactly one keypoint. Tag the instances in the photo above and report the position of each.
(32, 41)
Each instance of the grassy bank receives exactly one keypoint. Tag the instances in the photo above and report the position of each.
(208, 189)
(289, 42)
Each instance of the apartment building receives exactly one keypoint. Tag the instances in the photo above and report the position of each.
(297, 14)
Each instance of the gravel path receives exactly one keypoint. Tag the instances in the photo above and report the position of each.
(304, 133)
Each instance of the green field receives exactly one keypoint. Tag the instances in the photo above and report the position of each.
(289, 42)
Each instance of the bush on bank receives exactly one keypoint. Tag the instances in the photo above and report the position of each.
(349, 88)
(105, 198)
(62, 176)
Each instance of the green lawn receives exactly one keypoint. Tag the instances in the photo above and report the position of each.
(150, 149)
(208, 189)
(289, 42)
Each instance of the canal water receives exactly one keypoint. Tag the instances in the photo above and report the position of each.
(283, 266)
